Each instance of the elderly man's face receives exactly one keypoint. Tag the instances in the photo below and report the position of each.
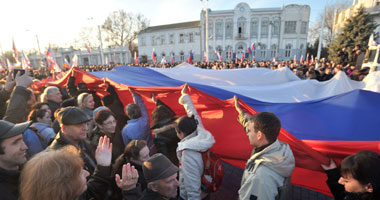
(167, 187)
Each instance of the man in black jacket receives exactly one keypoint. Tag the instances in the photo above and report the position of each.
(73, 123)
(12, 156)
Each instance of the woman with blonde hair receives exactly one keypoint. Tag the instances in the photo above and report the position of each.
(59, 174)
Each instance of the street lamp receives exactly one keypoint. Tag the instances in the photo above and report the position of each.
(39, 48)
(206, 27)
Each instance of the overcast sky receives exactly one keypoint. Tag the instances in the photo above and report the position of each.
(59, 22)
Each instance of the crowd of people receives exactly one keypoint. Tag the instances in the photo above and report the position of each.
(68, 143)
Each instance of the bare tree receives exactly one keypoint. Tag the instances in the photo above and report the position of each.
(90, 36)
(329, 12)
(121, 29)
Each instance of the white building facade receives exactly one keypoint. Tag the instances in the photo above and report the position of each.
(371, 6)
(175, 40)
(276, 32)
(114, 55)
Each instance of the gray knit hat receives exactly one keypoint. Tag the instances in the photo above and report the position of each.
(158, 167)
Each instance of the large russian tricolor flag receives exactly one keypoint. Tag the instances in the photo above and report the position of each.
(320, 120)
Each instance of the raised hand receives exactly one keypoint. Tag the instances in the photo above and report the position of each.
(237, 105)
(103, 152)
(9, 83)
(23, 80)
(129, 179)
(184, 89)
(331, 166)
(154, 98)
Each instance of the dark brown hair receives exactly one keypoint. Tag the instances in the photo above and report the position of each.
(267, 123)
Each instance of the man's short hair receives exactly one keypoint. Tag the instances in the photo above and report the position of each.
(133, 111)
(267, 123)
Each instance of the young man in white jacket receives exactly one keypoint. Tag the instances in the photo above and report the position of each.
(267, 172)
(194, 140)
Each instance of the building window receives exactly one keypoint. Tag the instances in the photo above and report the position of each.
(290, 26)
(263, 51)
(303, 27)
(153, 41)
(181, 38)
(143, 41)
(219, 49)
(273, 50)
(264, 27)
(219, 29)
(182, 56)
(276, 27)
(191, 37)
(229, 28)
(210, 28)
(163, 40)
(241, 27)
(171, 38)
(288, 50)
(254, 27)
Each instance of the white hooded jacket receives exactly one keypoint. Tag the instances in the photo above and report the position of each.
(267, 171)
(188, 153)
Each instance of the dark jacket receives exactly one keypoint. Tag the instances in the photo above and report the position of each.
(86, 151)
(117, 108)
(150, 195)
(53, 106)
(97, 184)
(74, 92)
(165, 135)
(17, 110)
(116, 192)
(4, 96)
(116, 139)
(9, 183)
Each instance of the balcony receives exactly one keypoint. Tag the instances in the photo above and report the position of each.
(241, 36)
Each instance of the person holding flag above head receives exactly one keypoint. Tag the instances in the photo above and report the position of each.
(191, 57)
(154, 56)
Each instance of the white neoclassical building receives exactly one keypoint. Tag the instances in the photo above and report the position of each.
(371, 6)
(277, 32)
(113, 55)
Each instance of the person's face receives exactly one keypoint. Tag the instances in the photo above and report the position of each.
(167, 187)
(46, 107)
(83, 181)
(180, 135)
(45, 119)
(252, 134)
(89, 102)
(109, 125)
(55, 96)
(143, 156)
(75, 132)
(14, 152)
(352, 185)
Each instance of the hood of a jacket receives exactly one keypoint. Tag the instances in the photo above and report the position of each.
(200, 140)
(277, 156)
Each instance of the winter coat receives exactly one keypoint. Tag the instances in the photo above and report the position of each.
(9, 184)
(4, 96)
(86, 152)
(189, 155)
(53, 106)
(46, 132)
(138, 129)
(115, 139)
(266, 171)
(17, 110)
(165, 136)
